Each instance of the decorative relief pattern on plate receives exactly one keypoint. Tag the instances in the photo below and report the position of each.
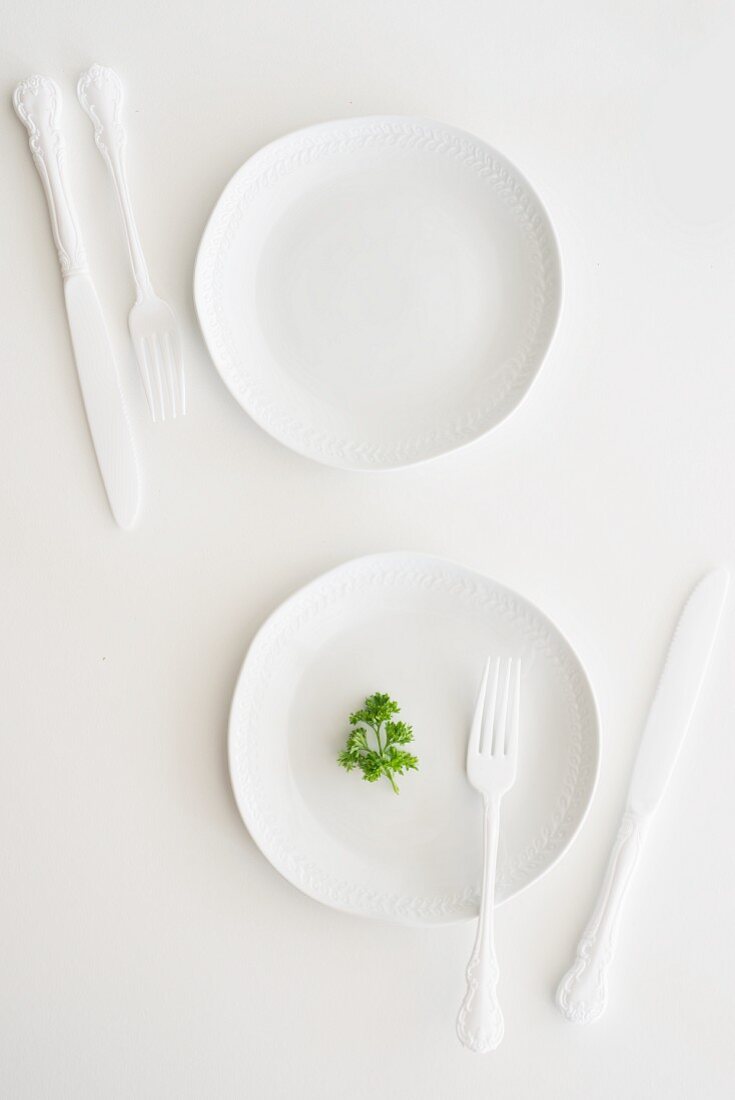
(270, 165)
(387, 571)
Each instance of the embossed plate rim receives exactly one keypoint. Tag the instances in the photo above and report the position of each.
(312, 598)
(518, 373)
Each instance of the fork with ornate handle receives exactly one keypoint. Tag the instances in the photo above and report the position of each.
(492, 755)
(153, 327)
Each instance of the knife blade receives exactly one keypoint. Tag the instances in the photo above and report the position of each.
(37, 102)
(103, 399)
(582, 992)
(678, 691)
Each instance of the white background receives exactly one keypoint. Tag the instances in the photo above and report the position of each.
(147, 949)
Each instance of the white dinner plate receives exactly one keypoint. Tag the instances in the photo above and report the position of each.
(378, 291)
(419, 629)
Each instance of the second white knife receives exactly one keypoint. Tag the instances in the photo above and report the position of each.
(582, 993)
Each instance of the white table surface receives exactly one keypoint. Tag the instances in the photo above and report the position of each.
(147, 949)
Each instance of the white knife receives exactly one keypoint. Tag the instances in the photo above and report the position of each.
(37, 102)
(582, 993)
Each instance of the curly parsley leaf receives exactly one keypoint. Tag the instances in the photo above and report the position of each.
(373, 744)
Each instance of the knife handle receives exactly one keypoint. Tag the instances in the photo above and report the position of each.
(100, 92)
(582, 992)
(37, 102)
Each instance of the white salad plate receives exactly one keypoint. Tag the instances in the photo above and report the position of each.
(419, 629)
(378, 291)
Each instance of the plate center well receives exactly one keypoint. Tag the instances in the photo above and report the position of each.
(375, 290)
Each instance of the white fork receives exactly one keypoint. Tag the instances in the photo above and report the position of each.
(492, 753)
(153, 327)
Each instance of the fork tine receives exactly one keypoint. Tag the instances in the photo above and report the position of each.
(473, 745)
(145, 374)
(491, 707)
(177, 366)
(501, 713)
(158, 374)
(511, 737)
(168, 355)
(182, 384)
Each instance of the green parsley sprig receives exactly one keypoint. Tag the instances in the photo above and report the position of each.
(373, 744)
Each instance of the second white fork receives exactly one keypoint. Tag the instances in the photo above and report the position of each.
(492, 754)
(153, 328)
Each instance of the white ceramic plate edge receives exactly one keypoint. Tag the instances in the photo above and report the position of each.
(244, 809)
(205, 246)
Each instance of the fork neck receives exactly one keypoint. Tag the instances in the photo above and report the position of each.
(491, 830)
(116, 159)
(137, 261)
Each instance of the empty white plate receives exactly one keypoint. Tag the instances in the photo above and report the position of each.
(419, 629)
(378, 291)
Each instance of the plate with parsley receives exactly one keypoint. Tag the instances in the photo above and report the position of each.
(348, 734)
(378, 291)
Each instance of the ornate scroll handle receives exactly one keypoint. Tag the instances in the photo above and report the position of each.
(582, 992)
(480, 1021)
(37, 102)
(100, 93)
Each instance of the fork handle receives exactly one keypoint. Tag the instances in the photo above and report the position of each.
(37, 103)
(582, 992)
(100, 93)
(480, 1021)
